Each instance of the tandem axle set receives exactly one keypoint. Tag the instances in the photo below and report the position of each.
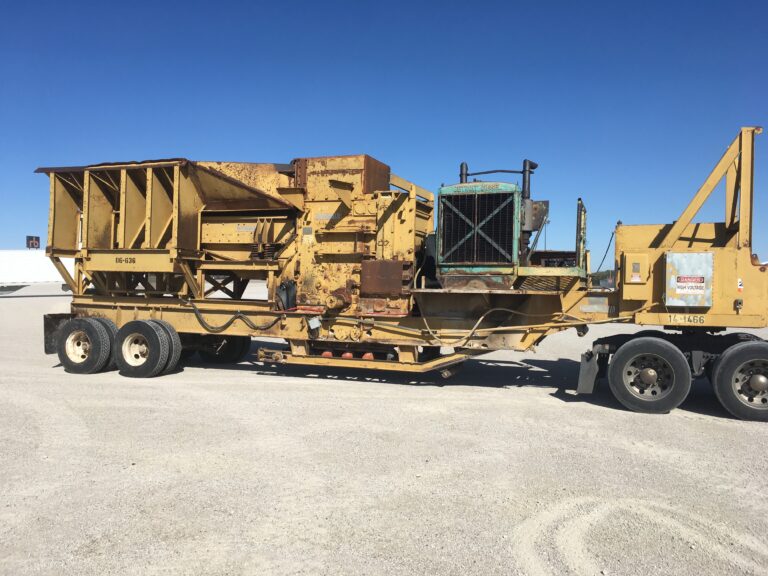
(343, 260)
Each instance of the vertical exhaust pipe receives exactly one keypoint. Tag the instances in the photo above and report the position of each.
(528, 167)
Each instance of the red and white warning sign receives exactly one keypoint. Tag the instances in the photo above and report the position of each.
(691, 285)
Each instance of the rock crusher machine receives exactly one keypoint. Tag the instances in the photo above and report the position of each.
(354, 273)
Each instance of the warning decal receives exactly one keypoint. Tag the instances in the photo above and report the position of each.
(689, 279)
(690, 285)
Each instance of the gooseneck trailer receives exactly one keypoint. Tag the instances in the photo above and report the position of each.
(342, 259)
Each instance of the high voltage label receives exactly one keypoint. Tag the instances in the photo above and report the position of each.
(691, 285)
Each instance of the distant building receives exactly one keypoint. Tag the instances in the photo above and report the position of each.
(28, 267)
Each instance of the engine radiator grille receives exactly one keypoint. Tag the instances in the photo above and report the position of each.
(477, 229)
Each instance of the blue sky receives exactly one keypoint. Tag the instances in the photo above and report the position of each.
(626, 104)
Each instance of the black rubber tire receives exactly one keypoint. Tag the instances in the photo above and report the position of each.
(235, 348)
(723, 373)
(245, 351)
(187, 353)
(711, 366)
(709, 369)
(650, 334)
(681, 375)
(99, 340)
(157, 344)
(174, 352)
(112, 331)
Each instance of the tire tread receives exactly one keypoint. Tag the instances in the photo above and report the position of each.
(174, 341)
(111, 328)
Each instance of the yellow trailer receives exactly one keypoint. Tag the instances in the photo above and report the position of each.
(695, 279)
(351, 269)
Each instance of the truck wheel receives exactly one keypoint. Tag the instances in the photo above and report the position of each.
(712, 365)
(649, 375)
(741, 380)
(83, 346)
(174, 352)
(245, 349)
(650, 334)
(232, 350)
(112, 331)
(141, 349)
(187, 353)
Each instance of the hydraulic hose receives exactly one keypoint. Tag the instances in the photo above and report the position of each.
(237, 316)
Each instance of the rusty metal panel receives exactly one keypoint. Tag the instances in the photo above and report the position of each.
(534, 214)
(381, 278)
(375, 175)
(300, 172)
(689, 279)
(384, 306)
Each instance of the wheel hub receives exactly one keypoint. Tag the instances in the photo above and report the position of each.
(648, 377)
(750, 383)
(135, 349)
(758, 383)
(78, 347)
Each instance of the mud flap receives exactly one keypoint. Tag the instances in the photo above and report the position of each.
(588, 372)
(593, 365)
(51, 325)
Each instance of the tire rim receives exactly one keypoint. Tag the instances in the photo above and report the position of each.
(78, 347)
(648, 377)
(135, 349)
(750, 384)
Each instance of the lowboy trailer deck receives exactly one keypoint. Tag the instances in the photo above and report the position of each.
(354, 273)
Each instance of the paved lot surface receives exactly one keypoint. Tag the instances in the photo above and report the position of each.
(257, 470)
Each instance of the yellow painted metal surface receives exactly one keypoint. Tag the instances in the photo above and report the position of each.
(181, 241)
(739, 282)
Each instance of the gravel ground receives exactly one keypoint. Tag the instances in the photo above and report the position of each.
(259, 470)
